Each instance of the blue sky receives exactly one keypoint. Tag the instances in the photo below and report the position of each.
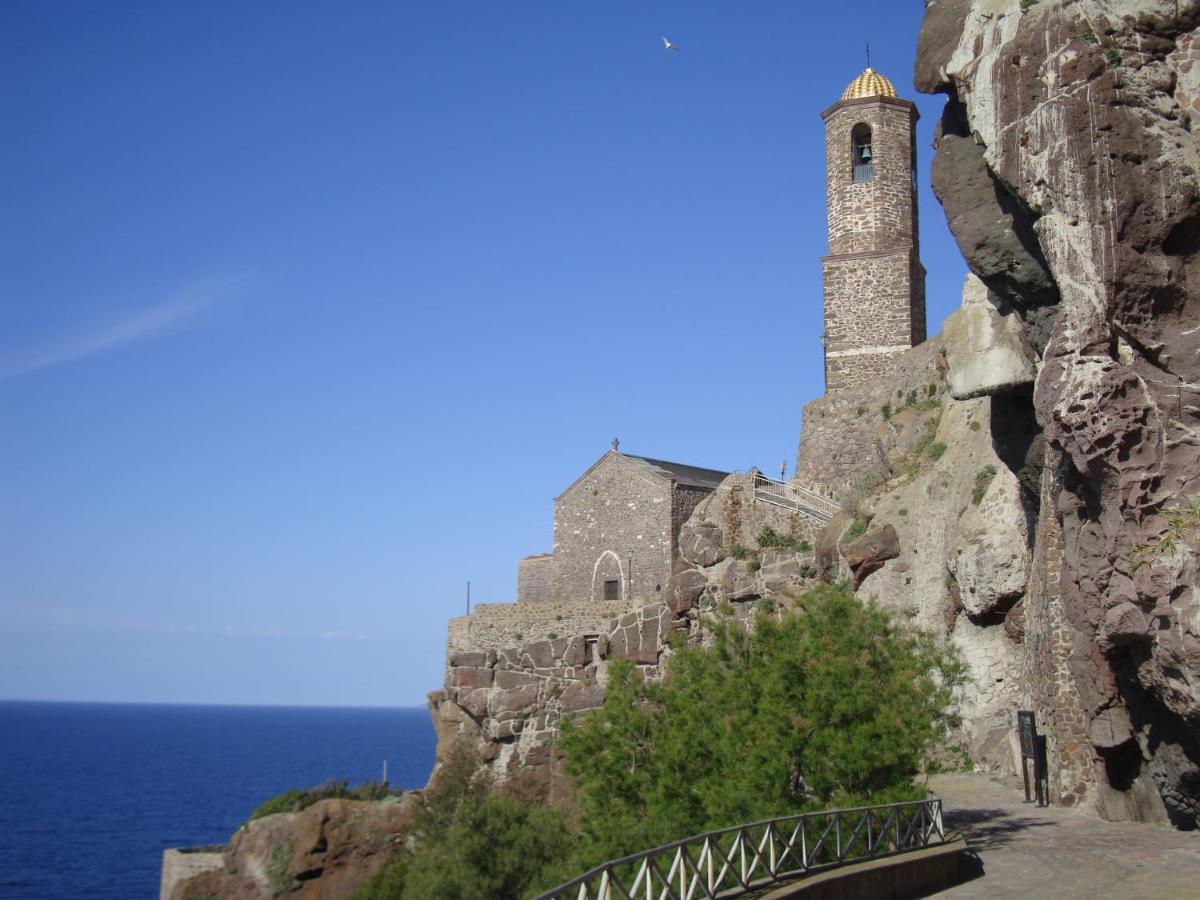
(310, 309)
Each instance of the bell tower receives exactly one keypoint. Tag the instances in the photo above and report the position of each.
(874, 283)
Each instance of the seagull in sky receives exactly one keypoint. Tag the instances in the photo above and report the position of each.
(667, 45)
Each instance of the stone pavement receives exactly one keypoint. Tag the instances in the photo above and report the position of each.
(1063, 853)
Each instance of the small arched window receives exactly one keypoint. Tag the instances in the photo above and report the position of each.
(861, 153)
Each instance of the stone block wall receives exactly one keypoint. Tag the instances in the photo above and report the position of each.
(535, 579)
(846, 435)
(616, 511)
(494, 626)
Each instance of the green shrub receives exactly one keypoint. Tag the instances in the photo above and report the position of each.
(859, 411)
(471, 840)
(983, 480)
(857, 528)
(936, 450)
(769, 537)
(974, 425)
(754, 565)
(737, 551)
(911, 399)
(902, 511)
(833, 703)
(886, 409)
(803, 546)
(296, 800)
(1113, 56)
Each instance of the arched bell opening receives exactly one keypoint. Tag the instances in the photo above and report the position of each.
(862, 154)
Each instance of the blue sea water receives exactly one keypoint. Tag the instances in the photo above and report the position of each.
(92, 793)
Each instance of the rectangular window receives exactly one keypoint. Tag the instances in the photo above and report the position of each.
(864, 172)
(612, 590)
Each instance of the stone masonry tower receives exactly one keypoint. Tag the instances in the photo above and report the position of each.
(873, 278)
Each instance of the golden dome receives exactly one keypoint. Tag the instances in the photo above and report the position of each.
(869, 84)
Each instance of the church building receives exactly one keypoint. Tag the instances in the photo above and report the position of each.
(616, 527)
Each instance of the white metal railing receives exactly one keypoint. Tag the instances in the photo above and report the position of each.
(733, 861)
(794, 497)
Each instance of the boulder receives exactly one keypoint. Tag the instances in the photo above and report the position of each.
(987, 352)
(700, 544)
(868, 553)
(685, 589)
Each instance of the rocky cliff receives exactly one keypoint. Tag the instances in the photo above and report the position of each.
(1067, 163)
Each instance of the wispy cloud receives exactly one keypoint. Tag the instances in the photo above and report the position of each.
(183, 310)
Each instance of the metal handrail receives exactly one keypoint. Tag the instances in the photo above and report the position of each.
(795, 497)
(730, 862)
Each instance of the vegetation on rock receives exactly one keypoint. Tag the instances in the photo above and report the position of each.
(828, 703)
(296, 800)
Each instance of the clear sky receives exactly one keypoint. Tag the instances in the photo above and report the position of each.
(308, 310)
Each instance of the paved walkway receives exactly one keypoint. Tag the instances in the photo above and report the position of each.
(1063, 853)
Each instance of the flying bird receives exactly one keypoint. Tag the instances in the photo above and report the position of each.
(667, 45)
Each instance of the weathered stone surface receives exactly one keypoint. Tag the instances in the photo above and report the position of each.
(686, 588)
(506, 680)
(473, 659)
(868, 553)
(539, 655)
(700, 545)
(738, 582)
(512, 700)
(330, 849)
(636, 636)
(990, 562)
(581, 695)
(1082, 118)
(470, 678)
(987, 352)
(1111, 728)
(1123, 624)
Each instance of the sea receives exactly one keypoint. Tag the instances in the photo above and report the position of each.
(92, 793)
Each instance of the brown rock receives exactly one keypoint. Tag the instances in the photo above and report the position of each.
(685, 589)
(868, 553)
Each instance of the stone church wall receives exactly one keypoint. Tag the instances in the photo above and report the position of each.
(617, 511)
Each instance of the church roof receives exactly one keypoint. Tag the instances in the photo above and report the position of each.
(869, 84)
(691, 476)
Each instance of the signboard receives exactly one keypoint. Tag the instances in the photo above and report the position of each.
(1027, 730)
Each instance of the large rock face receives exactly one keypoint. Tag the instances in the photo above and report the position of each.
(328, 850)
(1068, 167)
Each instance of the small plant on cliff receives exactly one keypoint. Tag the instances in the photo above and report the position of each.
(754, 565)
(1112, 56)
(803, 546)
(278, 864)
(911, 399)
(886, 409)
(857, 528)
(1025, 4)
(936, 450)
(737, 551)
(769, 537)
(983, 480)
